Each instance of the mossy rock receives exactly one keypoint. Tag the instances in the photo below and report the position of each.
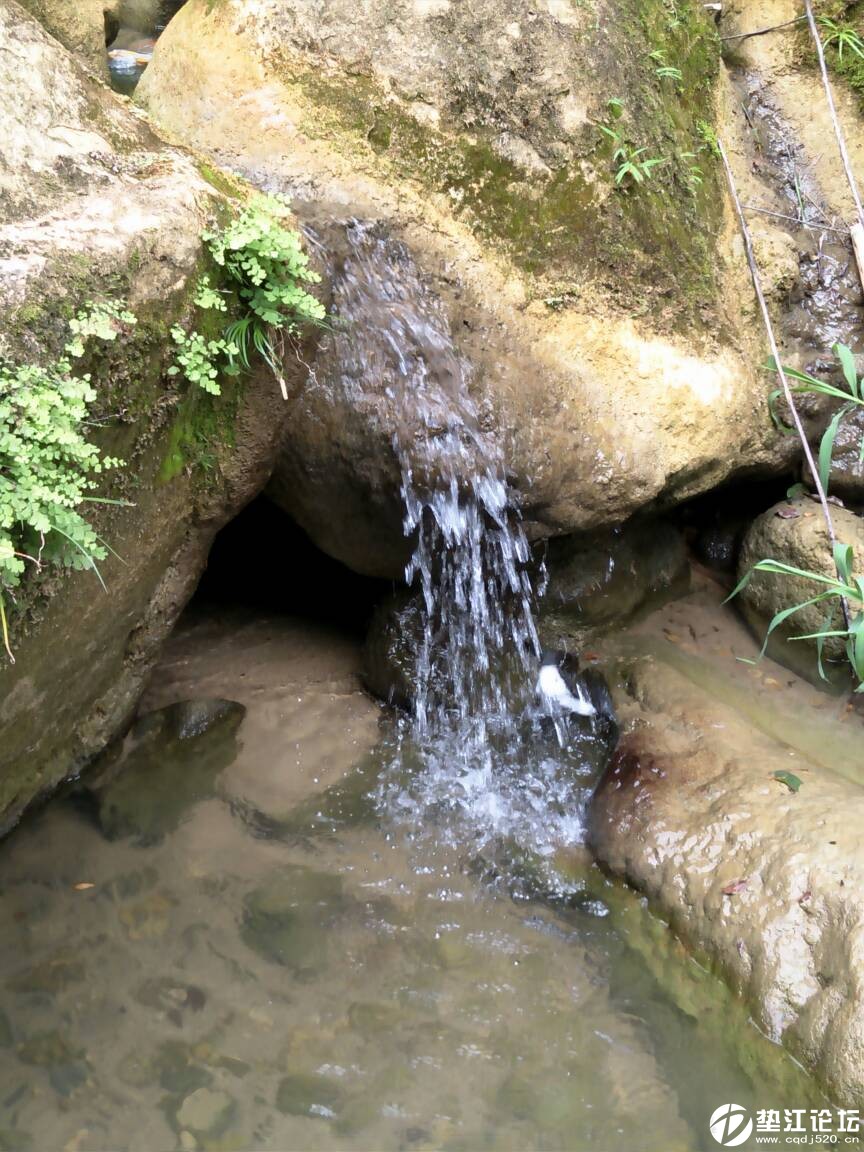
(127, 213)
(601, 323)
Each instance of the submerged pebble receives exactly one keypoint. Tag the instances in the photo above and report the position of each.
(287, 919)
(308, 1094)
(206, 1113)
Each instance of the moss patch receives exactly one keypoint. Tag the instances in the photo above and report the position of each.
(223, 181)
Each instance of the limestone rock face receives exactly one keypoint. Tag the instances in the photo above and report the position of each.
(763, 881)
(94, 206)
(795, 534)
(83, 26)
(603, 327)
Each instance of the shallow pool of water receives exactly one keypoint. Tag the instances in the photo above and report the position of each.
(260, 957)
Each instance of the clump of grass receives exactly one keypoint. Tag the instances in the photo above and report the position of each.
(846, 589)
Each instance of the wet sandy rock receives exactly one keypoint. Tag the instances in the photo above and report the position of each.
(754, 855)
(291, 676)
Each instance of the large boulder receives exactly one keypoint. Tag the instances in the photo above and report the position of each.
(602, 325)
(94, 206)
(750, 849)
(795, 534)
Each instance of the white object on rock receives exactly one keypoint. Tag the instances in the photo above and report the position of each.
(554, 692)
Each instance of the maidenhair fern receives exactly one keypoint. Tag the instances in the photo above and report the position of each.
(46, 472)
(47, 466)
(198, 358)
(266, 269)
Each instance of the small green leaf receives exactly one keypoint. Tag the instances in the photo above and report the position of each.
(792, 782)
(847, 363)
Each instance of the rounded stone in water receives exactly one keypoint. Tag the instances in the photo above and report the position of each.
(288, 919)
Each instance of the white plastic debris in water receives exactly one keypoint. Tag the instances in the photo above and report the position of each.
(554, 692)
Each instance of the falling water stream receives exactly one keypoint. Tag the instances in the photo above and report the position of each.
(301, 922)
(475, 753)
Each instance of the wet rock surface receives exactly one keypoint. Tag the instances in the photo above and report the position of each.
(729, 811)
(847, 466)
(390, 651)
(601, 581)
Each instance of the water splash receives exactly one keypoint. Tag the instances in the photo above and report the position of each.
(480, 755)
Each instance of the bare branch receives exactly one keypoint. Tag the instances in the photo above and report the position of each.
(764, 31)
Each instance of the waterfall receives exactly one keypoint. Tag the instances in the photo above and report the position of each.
(478, 755)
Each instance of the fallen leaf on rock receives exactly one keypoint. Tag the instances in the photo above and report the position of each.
(83, 886)
(787, 513)
(736, 887)
(792, 782)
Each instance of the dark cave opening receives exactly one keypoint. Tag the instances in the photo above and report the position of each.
(263, 561)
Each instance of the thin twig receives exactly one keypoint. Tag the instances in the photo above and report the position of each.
(838, 131)
(775, 352)
(796, 220)
(763, 31)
